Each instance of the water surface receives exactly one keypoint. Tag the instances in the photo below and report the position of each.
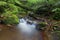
(23, 31)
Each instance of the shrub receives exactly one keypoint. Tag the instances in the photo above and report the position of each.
(10, 18)
(56, 14)
(41, 26)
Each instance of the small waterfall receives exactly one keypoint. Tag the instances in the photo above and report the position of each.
(25, 27)
(28, 30)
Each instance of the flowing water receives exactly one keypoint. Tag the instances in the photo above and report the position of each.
(23, 31)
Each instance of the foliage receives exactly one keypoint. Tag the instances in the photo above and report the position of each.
(10, 18)
(46, 8)
(57, 14)
(8, 13)
(8, 8)
(2, 7)
(56, 28)
(41, 25)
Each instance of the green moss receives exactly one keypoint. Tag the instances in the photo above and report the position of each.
(10, 18)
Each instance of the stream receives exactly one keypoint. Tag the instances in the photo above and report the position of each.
(29, 29)
(24, 31)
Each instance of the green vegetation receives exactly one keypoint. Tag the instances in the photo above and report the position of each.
(47, 10)
(19, 8)
(10, 18)
(14, 9)
(8, 13)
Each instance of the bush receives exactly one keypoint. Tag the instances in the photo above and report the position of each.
(41, 26)
(4, 6)
(2, 9)
(12, 8)
(10, 18)
(56, 14)
(8, 12)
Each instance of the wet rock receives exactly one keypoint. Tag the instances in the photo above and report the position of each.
(29, 22)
